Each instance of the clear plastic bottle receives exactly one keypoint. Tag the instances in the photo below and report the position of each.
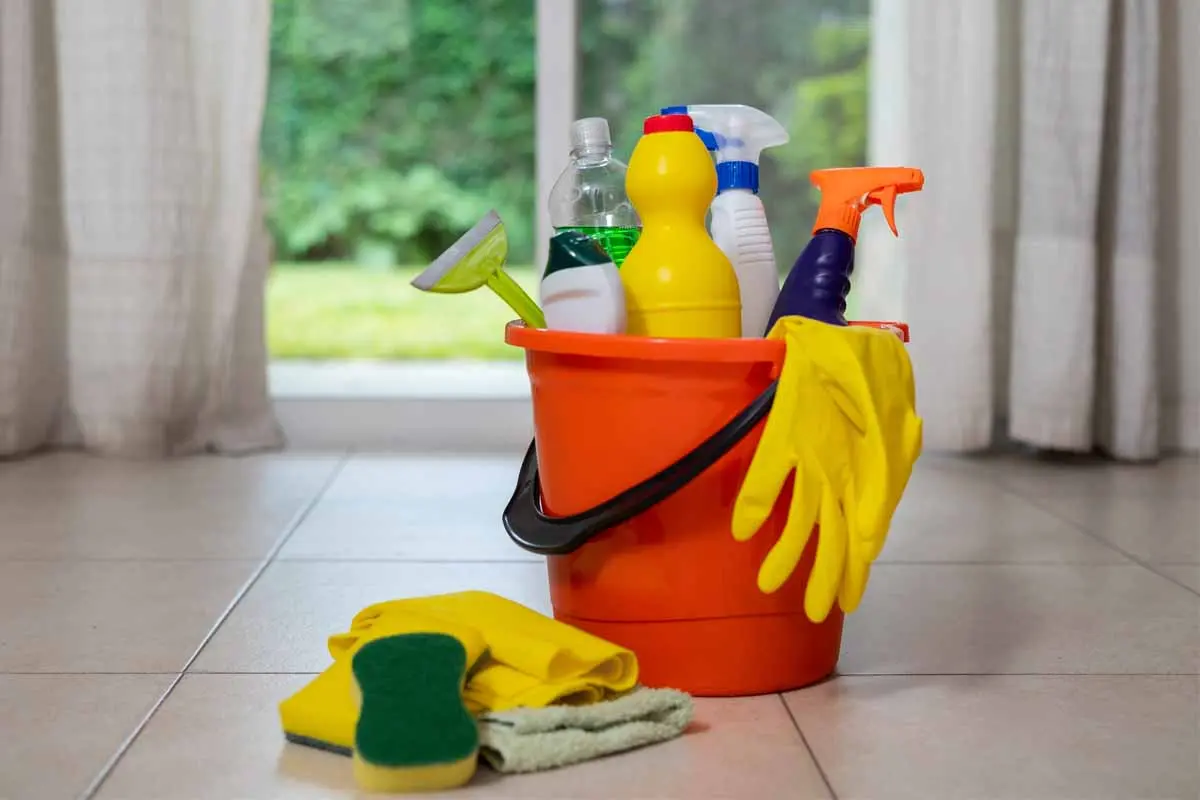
(590, 196)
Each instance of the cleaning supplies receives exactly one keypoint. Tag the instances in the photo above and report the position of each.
(475, 260)
(677, 281)
(589, 196)
(413, 733)
(738, 134)
(820, 279)
(535, 739)
(844, 426)
(581, 289)
(531, 661)
(323, 714)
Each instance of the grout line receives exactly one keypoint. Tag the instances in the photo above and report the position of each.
(997, 482)
(128, 741)
(289, 529)
(1141, 562)
(804, 739)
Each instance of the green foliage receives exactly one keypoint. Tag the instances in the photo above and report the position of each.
(393, 125)
(828, 117)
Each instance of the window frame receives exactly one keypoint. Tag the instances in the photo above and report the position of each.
(318, 411)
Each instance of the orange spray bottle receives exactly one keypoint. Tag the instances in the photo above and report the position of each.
(678, 283)
(820, 279)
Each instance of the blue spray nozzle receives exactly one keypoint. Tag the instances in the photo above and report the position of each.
(708, 137)
(738, 134)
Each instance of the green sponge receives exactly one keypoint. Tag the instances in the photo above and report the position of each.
(413, 733)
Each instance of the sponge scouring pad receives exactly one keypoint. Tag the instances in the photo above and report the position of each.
(414, 733)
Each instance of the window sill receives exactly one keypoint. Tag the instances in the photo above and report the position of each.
(451, 406)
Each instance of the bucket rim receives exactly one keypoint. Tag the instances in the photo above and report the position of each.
(643, 348)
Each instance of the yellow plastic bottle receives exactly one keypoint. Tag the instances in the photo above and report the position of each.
(678, 283)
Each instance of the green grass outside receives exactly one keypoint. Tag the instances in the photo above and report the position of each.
(336, 311)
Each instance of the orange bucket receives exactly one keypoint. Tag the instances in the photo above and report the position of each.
(641, 446)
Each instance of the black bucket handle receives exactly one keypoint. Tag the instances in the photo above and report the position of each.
(532, 530)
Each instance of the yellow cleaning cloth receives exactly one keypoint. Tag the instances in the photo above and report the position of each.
(844, 420)
(527, 660)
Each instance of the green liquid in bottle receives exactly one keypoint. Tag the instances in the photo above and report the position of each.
(617, 242)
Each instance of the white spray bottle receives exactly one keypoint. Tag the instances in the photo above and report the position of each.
(738, 134)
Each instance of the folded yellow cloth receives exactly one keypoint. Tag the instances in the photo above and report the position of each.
(519, 658)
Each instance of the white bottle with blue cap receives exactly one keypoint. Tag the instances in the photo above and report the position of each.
(738, 134)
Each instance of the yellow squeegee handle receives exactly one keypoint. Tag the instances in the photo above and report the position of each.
(517, 298)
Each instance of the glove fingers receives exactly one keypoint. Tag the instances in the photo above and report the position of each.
(860, 554)
(854, 584)
(892, 439)
(830, 560)
(773, 461)
(781, 561)
(760, 489)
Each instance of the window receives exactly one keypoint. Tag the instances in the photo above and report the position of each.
(391, 127)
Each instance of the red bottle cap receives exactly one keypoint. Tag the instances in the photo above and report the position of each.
(668, 123)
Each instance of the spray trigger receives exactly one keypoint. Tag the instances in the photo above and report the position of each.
(847, 193)
(886, 199)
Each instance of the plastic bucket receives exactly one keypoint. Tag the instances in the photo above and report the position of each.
(641, 446)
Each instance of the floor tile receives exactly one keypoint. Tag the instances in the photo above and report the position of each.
(111, 616)
(949, 515)
(112, 566)
(1025, 618)
(218, 736)
(1187, 574)
(284, 620)
(1151, 529)
(1005, 737)
(412, 508)
(67, 727)
(437, 478)
(1036, 476)
(77, 506)
(1151, 512)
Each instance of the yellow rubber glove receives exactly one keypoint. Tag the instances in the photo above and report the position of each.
(845, 421)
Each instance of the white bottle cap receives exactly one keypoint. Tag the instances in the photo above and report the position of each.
(590, 133)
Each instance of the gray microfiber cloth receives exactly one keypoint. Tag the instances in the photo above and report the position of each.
(534, 739)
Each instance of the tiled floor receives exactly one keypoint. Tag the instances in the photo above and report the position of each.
(1032, 632)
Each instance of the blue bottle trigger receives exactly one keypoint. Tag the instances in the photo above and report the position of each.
(708, 137)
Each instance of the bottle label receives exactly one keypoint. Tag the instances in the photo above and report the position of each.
(617, 242)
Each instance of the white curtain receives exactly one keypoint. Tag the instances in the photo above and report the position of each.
(132, 250)
(1051, 267)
